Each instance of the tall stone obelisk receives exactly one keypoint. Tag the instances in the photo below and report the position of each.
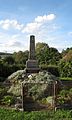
(32, 64)
(32, 48)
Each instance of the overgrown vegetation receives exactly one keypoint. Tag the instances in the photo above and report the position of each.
(8, 100)
(59, 64)
(43, 115)
(65, 97)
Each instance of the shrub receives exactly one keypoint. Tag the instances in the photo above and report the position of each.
(8, 100)
(65, 68)
(65, 96)
(2, 79)
(54, 70)
(63, 93)
(51, 68)
(3, 92)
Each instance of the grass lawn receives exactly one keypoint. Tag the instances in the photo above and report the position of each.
(41, 115)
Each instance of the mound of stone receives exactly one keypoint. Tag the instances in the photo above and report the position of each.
(39, 84)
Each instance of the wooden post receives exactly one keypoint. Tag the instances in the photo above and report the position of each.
(55, 95)
(22, 97)
(56, 86)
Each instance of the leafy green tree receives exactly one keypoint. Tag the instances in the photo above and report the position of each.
(55, 56)
(8, 60)
(65, 68)
(65, 64)
(21, 57)
(42, 50)
(40, 46)
(68, 56)
(64, 52)
(46, 55)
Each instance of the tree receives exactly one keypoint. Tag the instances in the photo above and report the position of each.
(65, 68)
(21, 57)
(42, 52)
(68, 56)
(55, 56)
(47, 55)
(64, 52)
(8, 60)
(40, 46)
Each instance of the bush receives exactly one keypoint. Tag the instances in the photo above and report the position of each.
(65, 96)
(2, 79)
(63, 93)
(8, 100)
(51, 68)
(3, 92)
(65, 68)
(6, 70)
(54, 70)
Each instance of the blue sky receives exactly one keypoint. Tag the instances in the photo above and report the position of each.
(49, 20)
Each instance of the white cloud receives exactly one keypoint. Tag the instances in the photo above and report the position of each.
(45, 18)
(13, 46)
(7, 24)
(42, 27)
(70, 33)
(11, 43)
(37, 23)
(31, 27)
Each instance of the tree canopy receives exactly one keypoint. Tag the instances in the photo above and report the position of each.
(48, 58)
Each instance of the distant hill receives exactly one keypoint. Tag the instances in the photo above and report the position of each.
(2, 54)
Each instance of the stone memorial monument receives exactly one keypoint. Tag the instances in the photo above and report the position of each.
(31, 63)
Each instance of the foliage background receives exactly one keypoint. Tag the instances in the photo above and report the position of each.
(49, 58)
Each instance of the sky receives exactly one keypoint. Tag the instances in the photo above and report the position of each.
(49, 20)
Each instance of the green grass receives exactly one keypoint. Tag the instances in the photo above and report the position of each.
(41, 115)
(66, 78)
